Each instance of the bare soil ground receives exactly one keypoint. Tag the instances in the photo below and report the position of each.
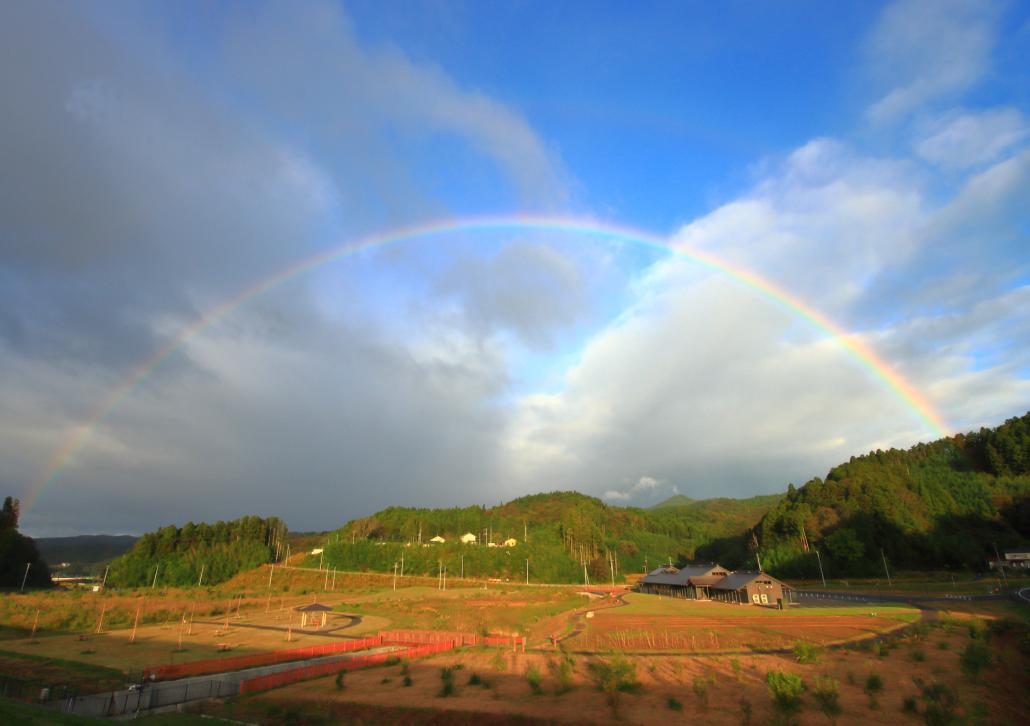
(732, 690)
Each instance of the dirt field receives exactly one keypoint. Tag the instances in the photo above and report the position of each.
(717, 689)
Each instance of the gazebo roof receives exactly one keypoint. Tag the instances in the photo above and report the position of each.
(313, 608)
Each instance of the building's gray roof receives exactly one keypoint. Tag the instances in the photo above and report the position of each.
(740, 580)
(671, 576)
(313, 608)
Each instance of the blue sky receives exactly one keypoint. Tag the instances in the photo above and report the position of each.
(872, 159)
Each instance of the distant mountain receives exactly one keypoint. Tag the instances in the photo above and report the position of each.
(83, 552)
(943, 504)
(676, 500)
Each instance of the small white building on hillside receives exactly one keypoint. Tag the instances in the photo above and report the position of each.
(468, 538)
(437, 540)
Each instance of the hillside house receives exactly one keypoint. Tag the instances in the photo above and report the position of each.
(510, 542)
(468, 538)
(437, 540)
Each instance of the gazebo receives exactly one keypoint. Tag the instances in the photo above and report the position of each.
(313, 615)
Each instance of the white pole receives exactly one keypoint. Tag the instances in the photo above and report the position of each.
(891, 584)
(200, 580)
(25, 577)
(103, 584)
(271, 571)
(402, 564)
(394, 575)
(154, 583)
(820, 561)
(463, 567)
(527, 570)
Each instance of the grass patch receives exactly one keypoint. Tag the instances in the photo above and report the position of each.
(786, 690)
(807, 652)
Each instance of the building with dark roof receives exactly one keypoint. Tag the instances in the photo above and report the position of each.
(691, 582)
(712, 582)
(754, 588)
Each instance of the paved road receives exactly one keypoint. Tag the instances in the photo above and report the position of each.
(328, 632)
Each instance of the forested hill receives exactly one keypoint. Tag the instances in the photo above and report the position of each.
(565, 531)
(178, 554)
(17, 551)
(936, 505)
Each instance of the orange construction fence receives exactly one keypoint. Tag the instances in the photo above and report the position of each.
(294, 675)
(235, 663)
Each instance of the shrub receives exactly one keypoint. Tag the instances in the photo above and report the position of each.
(735, 665)
(674, 705)
(786, 690)
(498, 663)
(977, 629)
(975, 657)
(917, 655)
(447, 677)
(563, 672)
(407, 681)
(827, 696)
(614, 677)
(701, 691)
(533, 678)
(807, 652)
(339, 681)
(873, 686)
(943, 645)
(910, 705)
(386, 679)
(940, 706)
(392, 660)
(881, 649)
(475, 680)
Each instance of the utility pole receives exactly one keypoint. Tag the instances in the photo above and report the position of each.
(402, 564)
(586, 581)
(320, 556)
(759, 558)
(103, 583)
(891, 584)
(527, 570)
(445, 577)
(611, 565)
(333, 588)
(25, 577)
(1001, 565)
(394, 575)
(463, 567)
(154, 583)
(820, 561)
(271, 571)
(200, 580)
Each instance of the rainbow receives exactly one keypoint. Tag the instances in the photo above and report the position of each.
(863, 353)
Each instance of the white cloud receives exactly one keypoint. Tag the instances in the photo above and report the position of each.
(646, 489)
(971, 138)
(925, 50)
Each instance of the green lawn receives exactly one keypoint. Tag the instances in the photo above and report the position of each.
(641, 604)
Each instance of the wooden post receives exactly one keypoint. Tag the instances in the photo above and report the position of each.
(193, 609)
(271, 571)
(182, 625)
(100, 623)
(333, 586)
(325, 585)
(268, 603)
(135, 623)
(228, 609)
(527, 570)
(394, 575)
(239, 601)
(35, 622)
